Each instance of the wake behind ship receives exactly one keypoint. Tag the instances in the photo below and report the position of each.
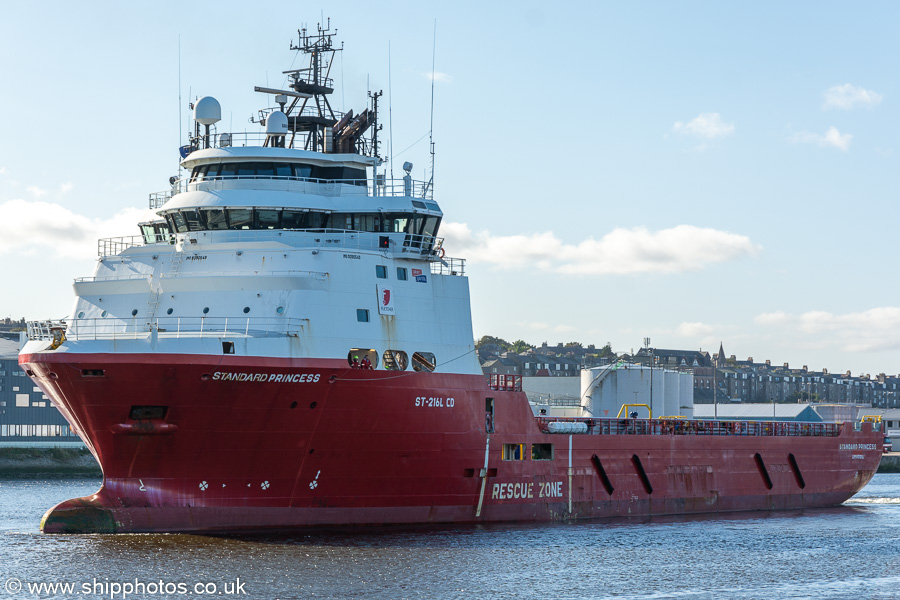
(286, 345)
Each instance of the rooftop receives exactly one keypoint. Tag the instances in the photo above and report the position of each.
(9, 349)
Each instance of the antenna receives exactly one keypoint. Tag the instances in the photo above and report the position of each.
(431, 126)
(390, 114)
(179, 97)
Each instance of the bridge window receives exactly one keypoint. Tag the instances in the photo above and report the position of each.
(401, 276)
(266, 170)
(302, 171)
(293, 219)
(267, 219)
(381, 271)
(192, 219)
(362, 315)
(178, 222)
(431, 226)
(240, 218)
(215, 218)
(245, 170)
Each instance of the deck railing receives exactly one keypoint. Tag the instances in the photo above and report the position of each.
(168, 327)
(605, 426)
(424, 246)
(505, 383)
(382, 187)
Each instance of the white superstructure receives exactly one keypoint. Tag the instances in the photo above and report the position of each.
(287, 243)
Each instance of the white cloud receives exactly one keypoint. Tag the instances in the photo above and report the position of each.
(694, 330)
(849, 96)
(706, 125)
(66, 188)
(832, 138)
(26, 226)
(620, 252)
(774, 318)
(565, 329)
(36, 191)
(876, 329)
(439, 77)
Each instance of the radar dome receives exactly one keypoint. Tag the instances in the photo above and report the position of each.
(207, 111)
(277, 123)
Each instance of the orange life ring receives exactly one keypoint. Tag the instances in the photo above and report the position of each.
(441, 253)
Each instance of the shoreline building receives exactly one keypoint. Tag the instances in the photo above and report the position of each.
(27, 416)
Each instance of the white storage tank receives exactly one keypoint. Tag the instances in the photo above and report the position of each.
(672, 391)
(605, 389)
(686, 395)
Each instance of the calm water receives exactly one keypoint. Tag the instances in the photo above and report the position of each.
(848, 552)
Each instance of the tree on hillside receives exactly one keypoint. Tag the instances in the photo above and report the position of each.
(489, 339)
(519, 346)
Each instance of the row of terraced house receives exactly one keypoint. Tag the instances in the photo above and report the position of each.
(715, 375)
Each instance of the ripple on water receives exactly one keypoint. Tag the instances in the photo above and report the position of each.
(846, 552)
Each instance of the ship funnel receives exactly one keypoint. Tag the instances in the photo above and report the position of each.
(207, 111)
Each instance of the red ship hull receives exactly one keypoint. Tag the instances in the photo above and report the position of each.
(263, 443)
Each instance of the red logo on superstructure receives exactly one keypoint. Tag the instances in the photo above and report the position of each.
(386, 298)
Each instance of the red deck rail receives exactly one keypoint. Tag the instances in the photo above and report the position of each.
(685, 427)
(505, 383)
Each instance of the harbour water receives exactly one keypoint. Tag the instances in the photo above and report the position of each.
(848, 552)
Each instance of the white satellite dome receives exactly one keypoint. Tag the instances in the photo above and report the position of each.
(277, 123)
(207, 111)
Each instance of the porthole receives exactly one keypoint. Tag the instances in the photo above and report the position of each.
(246, 309)
(205, 310)
(280, 310)
(423, 361)
(169, 312)
(363, 358)
(134, 312)
(81, 315)
(103, 314)
(395, 360)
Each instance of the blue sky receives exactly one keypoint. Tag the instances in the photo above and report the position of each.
(694, 172)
